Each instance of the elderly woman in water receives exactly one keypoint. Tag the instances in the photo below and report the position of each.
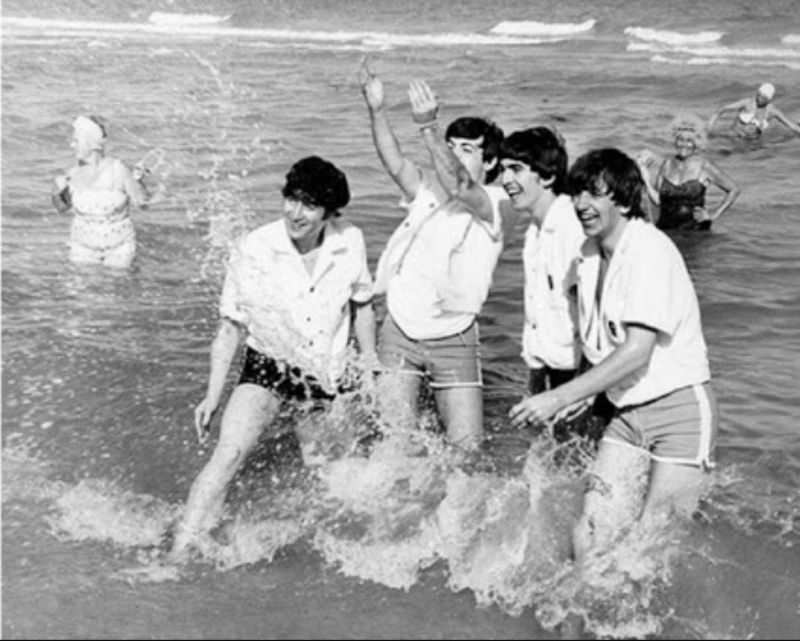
(678, 183)
(98, 190)
(753, 114)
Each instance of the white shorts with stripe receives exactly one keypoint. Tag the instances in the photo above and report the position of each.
(680, 427)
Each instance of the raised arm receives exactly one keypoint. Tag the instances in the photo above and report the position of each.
(402, 170)
(454, 179)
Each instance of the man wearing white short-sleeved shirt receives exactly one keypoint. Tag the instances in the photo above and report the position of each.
(534, 172)
(289, 292)
(639, 322)
(437, 267)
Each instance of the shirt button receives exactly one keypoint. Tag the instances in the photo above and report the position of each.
(311, 289)
(308, 319)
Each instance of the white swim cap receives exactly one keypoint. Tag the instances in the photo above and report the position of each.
(767, 90)
(90, 131)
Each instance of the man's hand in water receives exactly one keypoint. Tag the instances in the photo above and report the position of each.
(371, 86)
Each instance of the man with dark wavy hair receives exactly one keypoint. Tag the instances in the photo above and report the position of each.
(640, 328)
(290, 289)
(437, 267)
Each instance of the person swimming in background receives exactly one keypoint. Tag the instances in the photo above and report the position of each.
(678, 185)
(99, 190)
(754, 113)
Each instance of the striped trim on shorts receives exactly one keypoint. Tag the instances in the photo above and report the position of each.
(680, 427)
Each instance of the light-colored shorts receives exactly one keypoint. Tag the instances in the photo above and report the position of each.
(680, 427)
(452, 361)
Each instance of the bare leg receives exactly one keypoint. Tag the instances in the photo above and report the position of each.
(614, 497)
(461, 409)
(673, 488)
(399, 398)
(249, 410)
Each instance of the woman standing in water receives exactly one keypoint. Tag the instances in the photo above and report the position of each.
(99, 190)
(680, 182)
(754, 113)
(289, 293)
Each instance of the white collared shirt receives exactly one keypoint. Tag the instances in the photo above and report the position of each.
(550, 335)
(438, 264)
(647, 283)
(290, 314)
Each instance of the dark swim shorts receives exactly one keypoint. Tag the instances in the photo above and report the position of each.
(280, 377)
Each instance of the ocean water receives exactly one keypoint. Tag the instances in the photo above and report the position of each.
(101, 371)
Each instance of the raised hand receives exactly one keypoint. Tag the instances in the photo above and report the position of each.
(424, 106)
(371, 86)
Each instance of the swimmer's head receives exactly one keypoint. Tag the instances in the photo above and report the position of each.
(489, 136)
(691, 126)
(89, 134)
(765, 93)
(316, 182)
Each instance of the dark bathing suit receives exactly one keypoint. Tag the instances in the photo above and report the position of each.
(678, 203)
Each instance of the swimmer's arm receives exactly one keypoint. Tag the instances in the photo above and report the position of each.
(781, 117)
(734, 106)
(626, 359)
(364, 329)
(725, 183)
(402, 170)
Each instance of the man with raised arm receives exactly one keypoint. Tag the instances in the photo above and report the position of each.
(437, 266)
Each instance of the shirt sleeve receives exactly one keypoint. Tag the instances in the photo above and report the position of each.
(229, 306)
(362, 289)
(651, 296)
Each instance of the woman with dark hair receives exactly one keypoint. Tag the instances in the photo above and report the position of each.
(289, 292)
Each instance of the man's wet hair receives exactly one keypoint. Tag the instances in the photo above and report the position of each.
(543, 150)
(473, 128)
(611, 171)
(317, 182)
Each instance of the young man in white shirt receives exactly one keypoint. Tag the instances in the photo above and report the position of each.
(639, 323)
(437, 267)
(534, 172)
(289, 292)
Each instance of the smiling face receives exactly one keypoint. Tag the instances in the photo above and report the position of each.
(685, 144)
(523, 185)
(469, 152)
(600, 217)
(304, 222)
